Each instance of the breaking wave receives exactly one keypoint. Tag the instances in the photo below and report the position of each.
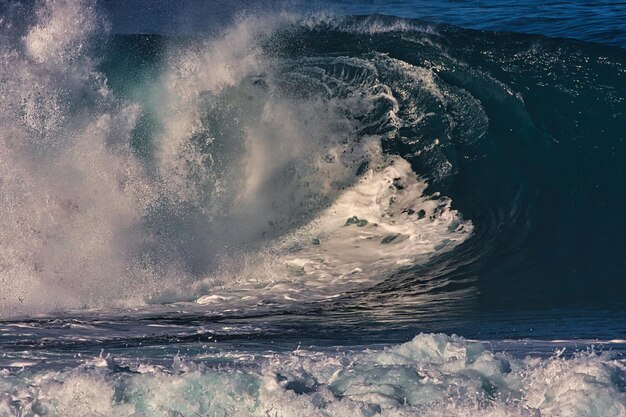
(294, 159)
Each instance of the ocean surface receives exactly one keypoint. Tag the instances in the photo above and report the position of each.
(408, 208)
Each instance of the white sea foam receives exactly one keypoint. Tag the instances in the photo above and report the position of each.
(432, 375)
(381, 224)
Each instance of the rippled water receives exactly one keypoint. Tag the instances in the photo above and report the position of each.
(592, 21)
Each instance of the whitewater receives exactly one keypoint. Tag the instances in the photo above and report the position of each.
(295, 214)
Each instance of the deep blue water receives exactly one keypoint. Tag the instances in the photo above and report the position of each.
(280, 208)
(592, 21)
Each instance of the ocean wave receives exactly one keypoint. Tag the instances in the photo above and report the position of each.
(249, 153)
(291, 158)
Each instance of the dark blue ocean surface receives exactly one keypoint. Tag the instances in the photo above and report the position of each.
(286, 209)
(592, 21)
